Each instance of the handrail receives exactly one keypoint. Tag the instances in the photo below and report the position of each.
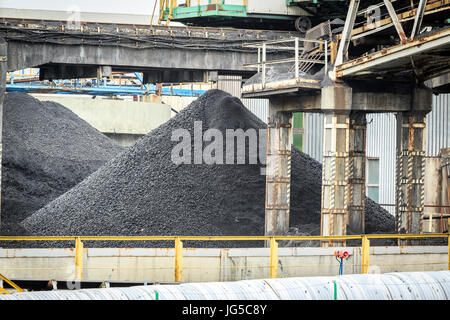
(178, 261)
(219, 238)
(12, 284)
(298, 48)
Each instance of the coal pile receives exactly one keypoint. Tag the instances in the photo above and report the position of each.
(47, 150)
(142, 192)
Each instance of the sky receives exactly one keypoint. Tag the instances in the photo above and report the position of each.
(144, 7)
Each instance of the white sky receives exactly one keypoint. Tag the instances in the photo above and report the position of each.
(144, 7)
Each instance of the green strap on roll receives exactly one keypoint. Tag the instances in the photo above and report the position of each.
(335, 290)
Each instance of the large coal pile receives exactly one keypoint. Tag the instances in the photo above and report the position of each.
(142, 192)
(47, 150)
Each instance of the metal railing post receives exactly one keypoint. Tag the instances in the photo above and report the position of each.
(326, 58)
(448, 254)
(263, 78)
(259, 59)
(178, 260)
(365, 255)
(78, 259)
(273, 258)
(296, 58)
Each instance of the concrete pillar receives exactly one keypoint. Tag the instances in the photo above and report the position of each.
(3, 69)
(433, 186)
(278, 171)
(357, 172)
(343, 175)
(410, 191)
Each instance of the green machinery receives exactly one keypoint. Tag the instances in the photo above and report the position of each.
(297, 15)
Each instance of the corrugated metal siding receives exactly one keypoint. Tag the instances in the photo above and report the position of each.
(313, 139)
(259, 107)
(230, 84)
(177, 103)
(438, 125)
(381, 143)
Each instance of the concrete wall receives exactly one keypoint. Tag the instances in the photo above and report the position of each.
(122, 120)
(199, 265)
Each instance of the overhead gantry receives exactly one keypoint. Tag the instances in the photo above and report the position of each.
(331, 74)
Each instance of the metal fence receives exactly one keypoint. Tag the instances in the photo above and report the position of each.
(272, 265)
(302, 61)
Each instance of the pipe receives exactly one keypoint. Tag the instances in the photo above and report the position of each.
(433, 285)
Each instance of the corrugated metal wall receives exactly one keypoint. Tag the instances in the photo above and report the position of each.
(381, 143)
(313, 140)
(260, 107)
(230, 84)
(438, 125)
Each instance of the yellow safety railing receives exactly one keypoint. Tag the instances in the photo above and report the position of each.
(12, 284)
(273, 266)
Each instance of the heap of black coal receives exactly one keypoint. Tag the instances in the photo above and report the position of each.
(143, 191)
(47, 150)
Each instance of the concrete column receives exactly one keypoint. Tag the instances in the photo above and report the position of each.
(278, 171)
(410, 191)
(343, 175)
(356, 179)
(433, 186)
(3, 69)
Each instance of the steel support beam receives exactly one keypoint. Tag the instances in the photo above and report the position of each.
(347, 32)
(418, 19)
(410, 192)
(343, 174)
(278, 171)
(395, 21)
(395, 56)
(3, 70)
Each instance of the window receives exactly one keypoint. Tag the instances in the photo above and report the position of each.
(373, 178)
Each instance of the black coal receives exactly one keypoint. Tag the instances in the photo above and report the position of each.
(142, 192)
(47, 150)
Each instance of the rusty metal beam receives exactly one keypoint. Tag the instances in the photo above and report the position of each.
(346, 33)
(395, 21)
(432, 7)
(393, 55)
(418, 19)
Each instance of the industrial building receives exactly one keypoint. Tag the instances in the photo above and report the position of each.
(119, 182)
